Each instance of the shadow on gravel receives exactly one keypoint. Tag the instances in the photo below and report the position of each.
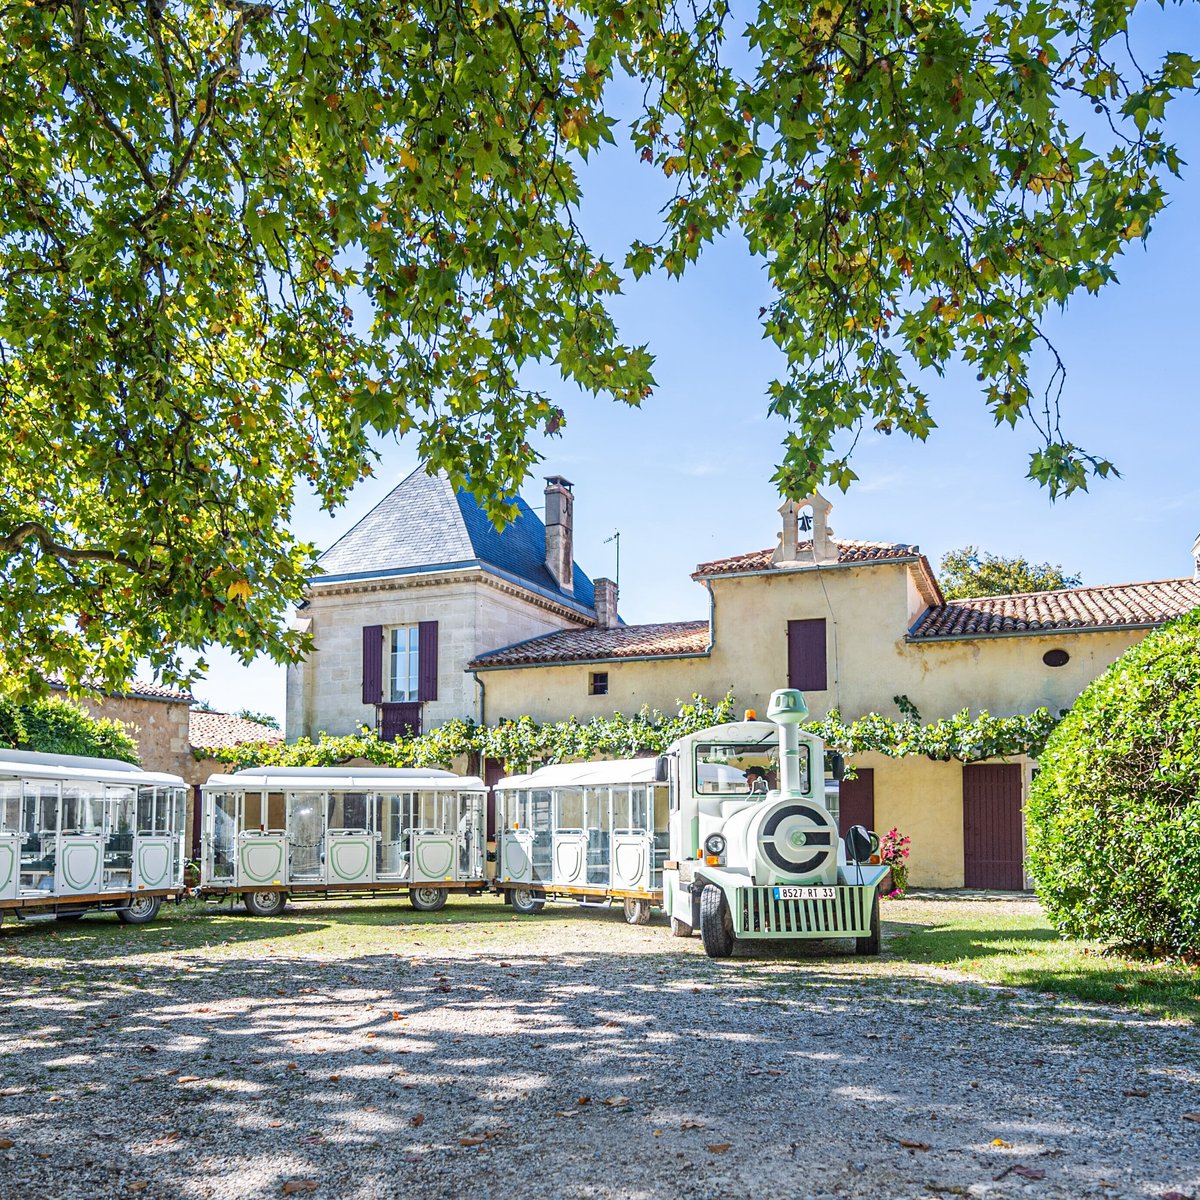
(582, 1075)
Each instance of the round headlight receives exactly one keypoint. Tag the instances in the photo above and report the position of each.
(714, 844)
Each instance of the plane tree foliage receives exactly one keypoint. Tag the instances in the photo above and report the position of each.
(239, 241)
(969, 571)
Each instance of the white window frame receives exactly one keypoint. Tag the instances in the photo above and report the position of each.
(409, 656)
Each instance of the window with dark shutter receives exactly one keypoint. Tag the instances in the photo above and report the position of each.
(427, 661)
(806, 655)
(372, 664)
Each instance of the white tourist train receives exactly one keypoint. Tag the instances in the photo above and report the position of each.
(78, 834)
(592, 832)
(312, 833)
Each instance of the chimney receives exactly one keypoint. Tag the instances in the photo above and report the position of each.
(606, 603)
(560, 556)
(1196, 557)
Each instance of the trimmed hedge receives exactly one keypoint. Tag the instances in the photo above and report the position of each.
(1114, 815)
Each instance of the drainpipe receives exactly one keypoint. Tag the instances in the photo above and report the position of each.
(482, 697)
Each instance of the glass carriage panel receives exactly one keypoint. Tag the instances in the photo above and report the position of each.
(221, 825)
(304, 812)
(428, 815)
(121, 803)
(393, 822)
(348, 810)
(472, 831)
(540, 808)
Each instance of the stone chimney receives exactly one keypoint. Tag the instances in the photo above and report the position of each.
(805, 520)
(606, 603)
(1196, 558)
(560, 522)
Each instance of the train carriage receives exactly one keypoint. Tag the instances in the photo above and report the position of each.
(80, 834)
(593, 832)
(312, 833)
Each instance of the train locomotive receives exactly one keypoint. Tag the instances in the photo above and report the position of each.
(749, 865)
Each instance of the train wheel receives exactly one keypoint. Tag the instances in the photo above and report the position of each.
(526, 901)
(428, 899)
(140, 909)
(870, 944)
(716, 922)
(680, 928)
(637, 912)
(264, 904)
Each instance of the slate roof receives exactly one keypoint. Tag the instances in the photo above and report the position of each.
(223, 731)
(424, 523)
(1073, 608)
(664, 640)
(848, 552)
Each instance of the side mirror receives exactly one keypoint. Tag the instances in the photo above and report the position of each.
(837, 766)
(861, 844)
(662, 769)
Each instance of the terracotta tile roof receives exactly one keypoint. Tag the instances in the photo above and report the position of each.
(222, 731)
(590, 645)
(137, 689)
(1074, 608)
(848, 552)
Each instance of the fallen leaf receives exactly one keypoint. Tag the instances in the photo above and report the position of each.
(138, 1185)
(1192, 1117)
(584, 1100)
(189, 1079)
(719, 1147)
(538, 1046)
(570, 1112)
(1028, 1172)
(1002, 1143)
(397, 1016)
(913, 1145)
(1135, 1092)
(371, 1035)
(417, 1121)
(293, 1067)
(167, 1138)
(6, 1143)
(149, 1049)
(616, 1101)
(370, 1108)
(299, 1185)
(275, 1124)
(474, 1140)
(691, 1123)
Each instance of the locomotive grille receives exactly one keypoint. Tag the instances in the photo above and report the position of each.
(848, 913)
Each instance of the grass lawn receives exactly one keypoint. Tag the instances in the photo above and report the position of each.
(1012, 944)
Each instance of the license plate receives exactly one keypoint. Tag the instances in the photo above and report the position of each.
(805, 893)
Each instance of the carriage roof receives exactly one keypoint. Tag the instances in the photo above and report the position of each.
(74, 768)
(345, 779)
(587, 774)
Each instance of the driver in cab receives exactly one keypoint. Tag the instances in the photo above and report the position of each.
(756, 781)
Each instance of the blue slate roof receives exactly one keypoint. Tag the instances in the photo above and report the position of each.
(424, 523)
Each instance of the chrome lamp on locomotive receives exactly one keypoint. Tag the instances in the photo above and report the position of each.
(771, 865)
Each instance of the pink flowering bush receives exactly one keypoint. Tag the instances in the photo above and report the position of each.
(893, 850)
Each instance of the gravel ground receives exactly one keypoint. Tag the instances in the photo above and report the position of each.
(567, 1055)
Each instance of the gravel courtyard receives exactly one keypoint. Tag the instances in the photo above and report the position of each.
(366, 1053)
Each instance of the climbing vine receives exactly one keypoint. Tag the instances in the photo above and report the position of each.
(525, 741)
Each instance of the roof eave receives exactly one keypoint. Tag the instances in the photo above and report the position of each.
(585, 662)
(899, 560)
(1053, 631)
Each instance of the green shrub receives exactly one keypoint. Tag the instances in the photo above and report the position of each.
(56, 726)
(1114, 815)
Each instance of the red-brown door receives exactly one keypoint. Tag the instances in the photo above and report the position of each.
(992, 843)
(493, 772)
(856, 804)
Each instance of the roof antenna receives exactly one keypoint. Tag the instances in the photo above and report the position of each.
(616, 537)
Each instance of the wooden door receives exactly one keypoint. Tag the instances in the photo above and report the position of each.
(992, 843)
(856, 801)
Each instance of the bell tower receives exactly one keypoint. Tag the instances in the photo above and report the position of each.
(805, 521)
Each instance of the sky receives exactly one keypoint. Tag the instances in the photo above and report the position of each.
(686, 478)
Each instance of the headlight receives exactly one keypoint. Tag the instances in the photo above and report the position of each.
(714, 844)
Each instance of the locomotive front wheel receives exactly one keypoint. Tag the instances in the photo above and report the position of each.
(428, 899)
(680, 928)
(637, 912)
(526, 901)
(140, 909)
(870, 944)
(264, 904)
(716, 922)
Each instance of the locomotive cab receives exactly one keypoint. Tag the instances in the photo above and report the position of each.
(755, 849)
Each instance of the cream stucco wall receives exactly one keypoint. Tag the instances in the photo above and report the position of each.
(474, 613)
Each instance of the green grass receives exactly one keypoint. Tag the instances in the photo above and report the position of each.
(1013, 945)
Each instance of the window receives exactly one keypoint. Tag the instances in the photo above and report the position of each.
(598, 683)
(1056, 658)
(729, 768)
(806, 655)
(403, 657)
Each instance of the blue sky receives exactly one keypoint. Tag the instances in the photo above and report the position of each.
(687, 477)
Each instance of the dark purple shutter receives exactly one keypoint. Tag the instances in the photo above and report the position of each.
(992, 842)
(806, 655)
(399, 720)
(427, 664)
(856, 800)
(372, 664)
